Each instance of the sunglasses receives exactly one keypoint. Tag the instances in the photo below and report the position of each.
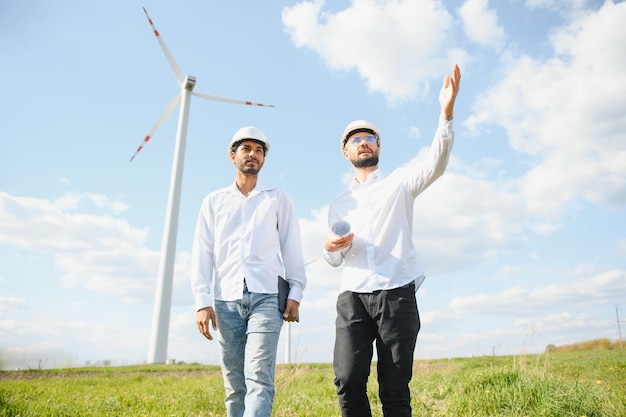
(357, 140)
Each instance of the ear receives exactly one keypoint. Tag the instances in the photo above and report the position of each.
(344, 152)
(232, 156)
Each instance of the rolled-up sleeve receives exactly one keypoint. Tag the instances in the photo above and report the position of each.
(332, 258)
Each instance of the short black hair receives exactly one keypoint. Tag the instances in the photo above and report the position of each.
(235, 145)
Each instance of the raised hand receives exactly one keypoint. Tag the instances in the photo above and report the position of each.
(448, 93)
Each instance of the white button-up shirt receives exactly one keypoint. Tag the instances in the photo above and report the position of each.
(255, 237)
(380, 211)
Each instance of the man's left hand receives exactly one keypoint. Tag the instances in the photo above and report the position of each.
(292, 312)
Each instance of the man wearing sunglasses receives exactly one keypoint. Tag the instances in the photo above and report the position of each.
(381, 270)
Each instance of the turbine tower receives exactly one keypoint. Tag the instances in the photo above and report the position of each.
(157, 352)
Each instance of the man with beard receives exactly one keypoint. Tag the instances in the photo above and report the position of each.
(381, 269)
(247, 237)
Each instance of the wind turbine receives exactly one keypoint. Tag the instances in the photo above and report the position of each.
(157, 352)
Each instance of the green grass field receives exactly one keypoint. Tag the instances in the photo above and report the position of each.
(558, 384)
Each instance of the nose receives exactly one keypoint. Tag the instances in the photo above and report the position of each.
(364, 143)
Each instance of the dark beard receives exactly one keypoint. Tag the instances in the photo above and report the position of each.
(371, 161)
(249, 169)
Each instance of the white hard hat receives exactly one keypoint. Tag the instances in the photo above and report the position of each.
(249, 132)
(358, 126)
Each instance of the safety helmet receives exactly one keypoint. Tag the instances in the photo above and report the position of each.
(359, 126)
(252, 133)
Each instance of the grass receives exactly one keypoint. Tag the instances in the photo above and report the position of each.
(558, 384)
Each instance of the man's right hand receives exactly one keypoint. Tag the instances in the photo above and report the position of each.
(203, 317)
(448, 93)
(334, 243)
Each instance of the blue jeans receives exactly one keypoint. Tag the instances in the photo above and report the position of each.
(390, 318)
(248, 331)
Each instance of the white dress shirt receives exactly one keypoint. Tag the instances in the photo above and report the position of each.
(256, 237)
(380, 211)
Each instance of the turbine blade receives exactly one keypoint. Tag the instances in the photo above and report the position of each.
(177, 72)
(229, 100)
(168, 110)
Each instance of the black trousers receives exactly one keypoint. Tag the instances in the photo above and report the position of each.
(391, 318)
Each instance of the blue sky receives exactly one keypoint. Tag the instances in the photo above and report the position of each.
(523, 240)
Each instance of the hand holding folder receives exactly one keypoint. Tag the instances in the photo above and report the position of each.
(283, 294)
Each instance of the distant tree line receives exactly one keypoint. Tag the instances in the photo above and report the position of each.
(596, 344)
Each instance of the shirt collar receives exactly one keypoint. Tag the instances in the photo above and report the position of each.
(373, 176)
(258, 188)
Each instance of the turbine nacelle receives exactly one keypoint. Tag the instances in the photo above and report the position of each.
(190, 82)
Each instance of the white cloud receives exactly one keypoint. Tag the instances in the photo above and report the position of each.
(7, 303)
(481, 24)
(566, 113)
(103, 201)
(544, 228)
(583, 291)
(98, 252)
(360, 37)
(564, 7)
(456, 226)
(65, 181)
